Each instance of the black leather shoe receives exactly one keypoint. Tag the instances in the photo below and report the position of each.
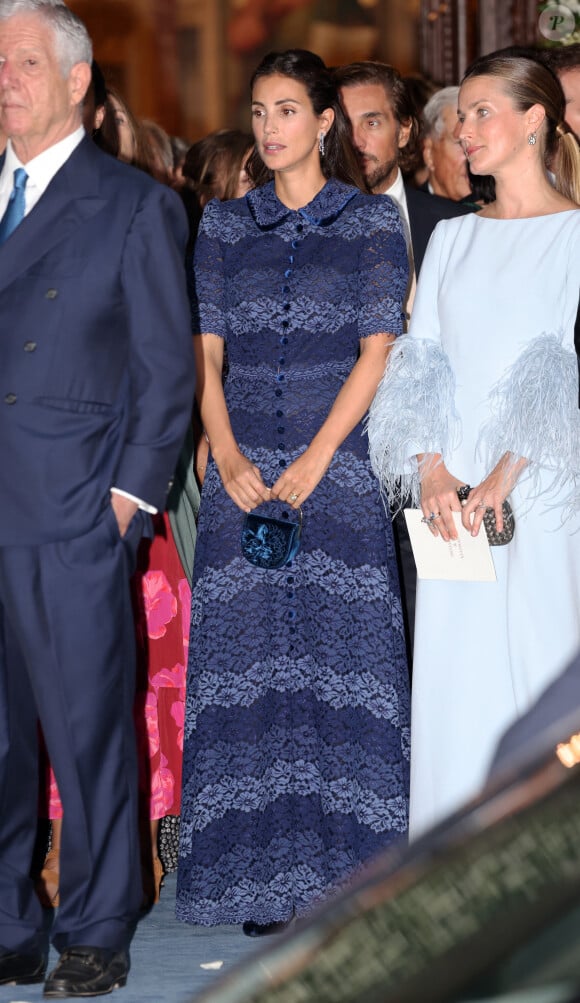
(87, 971)
(265, 929)
(21, 969)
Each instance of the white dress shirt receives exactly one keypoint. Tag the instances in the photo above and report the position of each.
(397, 193)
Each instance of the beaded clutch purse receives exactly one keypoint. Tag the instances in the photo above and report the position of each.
(495, 539)
(268, 542)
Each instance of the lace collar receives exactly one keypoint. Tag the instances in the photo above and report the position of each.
(268, 210)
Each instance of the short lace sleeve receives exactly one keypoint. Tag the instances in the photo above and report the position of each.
(383, 269)
(208, 293)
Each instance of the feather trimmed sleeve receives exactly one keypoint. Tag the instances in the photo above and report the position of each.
(413, 412)
(414, 407)
(534, 414)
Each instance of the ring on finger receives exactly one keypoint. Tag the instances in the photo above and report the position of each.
(293, 496)
(481, 504)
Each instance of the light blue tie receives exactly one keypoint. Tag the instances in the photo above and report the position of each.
(16, 205)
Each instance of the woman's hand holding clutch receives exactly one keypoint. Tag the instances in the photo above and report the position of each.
(491, 493)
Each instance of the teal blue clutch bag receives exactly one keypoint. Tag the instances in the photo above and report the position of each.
(268, 542)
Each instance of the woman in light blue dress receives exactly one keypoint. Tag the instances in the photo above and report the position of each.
(484, 391)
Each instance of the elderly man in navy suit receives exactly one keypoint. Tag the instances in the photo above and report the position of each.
(96, 367)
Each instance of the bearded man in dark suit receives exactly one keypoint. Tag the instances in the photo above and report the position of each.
(385, 134)
(97, 384)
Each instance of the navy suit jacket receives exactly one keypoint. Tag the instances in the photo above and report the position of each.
(96, 356)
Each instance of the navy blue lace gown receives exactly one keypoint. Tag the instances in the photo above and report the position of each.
(296, 747)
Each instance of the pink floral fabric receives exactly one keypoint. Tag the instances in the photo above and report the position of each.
(160, 603)
(164, 602)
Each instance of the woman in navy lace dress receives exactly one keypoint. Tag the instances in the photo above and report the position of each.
(297, 712)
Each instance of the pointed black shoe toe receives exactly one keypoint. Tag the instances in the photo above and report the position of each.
(265, 929)
(87, 971)
(21, 969)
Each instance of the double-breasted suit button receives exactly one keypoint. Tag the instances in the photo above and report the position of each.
(29, 346)
(51, 294)
(10, 399)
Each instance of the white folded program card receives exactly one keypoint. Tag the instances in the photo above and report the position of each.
(466, 559)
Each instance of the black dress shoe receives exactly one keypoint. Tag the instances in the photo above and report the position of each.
(87, 971)
(265, 929)
(21, 969)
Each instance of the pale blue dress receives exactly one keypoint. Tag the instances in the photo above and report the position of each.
(489, 365)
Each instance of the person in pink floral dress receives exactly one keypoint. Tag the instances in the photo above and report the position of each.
(162, 607)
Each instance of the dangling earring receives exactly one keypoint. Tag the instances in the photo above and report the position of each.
(532, 139)
(321, 144)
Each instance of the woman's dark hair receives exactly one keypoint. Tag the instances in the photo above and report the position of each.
(156, 155)
(560, 58)
(213, 164)
(108, 136)
(98, 84)
(528, 82)
(340, 159)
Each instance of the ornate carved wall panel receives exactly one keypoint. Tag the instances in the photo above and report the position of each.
(453, 33)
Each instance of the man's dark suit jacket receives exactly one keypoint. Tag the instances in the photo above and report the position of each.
(96, 359)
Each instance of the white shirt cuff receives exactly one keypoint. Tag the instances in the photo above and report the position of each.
(138, 501)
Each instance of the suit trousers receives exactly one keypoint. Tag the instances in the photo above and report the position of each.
(67, 657)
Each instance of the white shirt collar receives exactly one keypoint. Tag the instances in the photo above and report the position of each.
(40, 169)
(397, 189)
(397, 193)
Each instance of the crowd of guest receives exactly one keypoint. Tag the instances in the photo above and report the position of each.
(275, 615)
(399, 129)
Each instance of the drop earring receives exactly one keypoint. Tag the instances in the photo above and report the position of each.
(532, 139)
(321, 144)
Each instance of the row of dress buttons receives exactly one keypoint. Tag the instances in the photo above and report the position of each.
(31, 346)
(283, 341)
